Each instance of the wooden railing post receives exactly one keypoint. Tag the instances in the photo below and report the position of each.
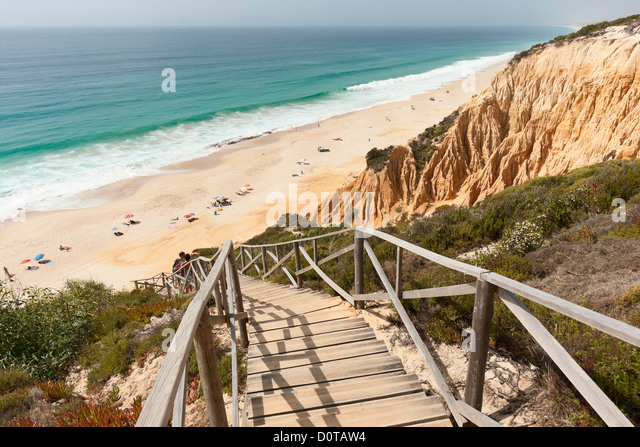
(358, 263)
(242, 257)
(399, 273)
(263, 251)
(218, 297)
(482, 314)
(296, 253)
(239, 306)
(315, 251)
(208, 369)
(180, 401)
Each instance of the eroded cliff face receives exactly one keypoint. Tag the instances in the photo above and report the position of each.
(566, 106)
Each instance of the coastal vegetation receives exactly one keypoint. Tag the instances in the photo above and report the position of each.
(508, 234)
(422, 147)
(44, 333)
(592, 30)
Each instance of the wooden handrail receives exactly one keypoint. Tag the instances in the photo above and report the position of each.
(195, 328)
(505, 288)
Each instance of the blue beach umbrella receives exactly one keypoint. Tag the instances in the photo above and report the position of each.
(37, 258)
(113, 228)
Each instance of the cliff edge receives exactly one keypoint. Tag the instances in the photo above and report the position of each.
(566, 104)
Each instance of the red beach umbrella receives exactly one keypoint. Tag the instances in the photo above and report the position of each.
(128, 216)
(25, 261)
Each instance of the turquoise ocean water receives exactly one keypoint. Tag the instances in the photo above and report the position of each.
(83, 108)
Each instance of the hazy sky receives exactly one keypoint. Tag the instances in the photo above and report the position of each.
(309, 12)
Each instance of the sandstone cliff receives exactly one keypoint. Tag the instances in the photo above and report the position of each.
(566, 105)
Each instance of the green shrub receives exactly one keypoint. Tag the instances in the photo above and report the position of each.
(13, 404)
(522, 238)
(12, 379)
(115, 357)
(377, 158)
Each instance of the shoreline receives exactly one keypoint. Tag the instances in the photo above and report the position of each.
(267, 163)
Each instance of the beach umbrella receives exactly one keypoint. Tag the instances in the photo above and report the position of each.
(113, 228)
(37, 258)
(247, 185)
(128, 216)
(186, 216)
(26, 261)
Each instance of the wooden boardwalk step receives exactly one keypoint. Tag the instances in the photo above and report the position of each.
(279, 312)
(329, 394)
(307, 330)
(394, 411)
(311, 356)
(316, 341)
(324, 372)
(301, 320)
(312, 362)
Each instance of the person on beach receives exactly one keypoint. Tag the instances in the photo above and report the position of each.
(177, 264)
(189, 279)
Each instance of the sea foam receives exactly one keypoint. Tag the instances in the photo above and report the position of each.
(55, 180)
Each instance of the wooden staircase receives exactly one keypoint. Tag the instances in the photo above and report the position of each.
(313, 363)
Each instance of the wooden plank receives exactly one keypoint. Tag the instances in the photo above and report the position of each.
(284, 269)
(204, 345)
(371, 297)
(158, 406)
(306, 343)
(234, 350)
(438, 259)
(338, 370)
(180, 403)
(285, 299)
(292, 304)
(260, 316)
(288, 308)
(307, 330)
(258, 365)
(431, 424)
(251, 262)
(600, 402)
(328, 258)
(481, 326)
(606, 324)
(279, 263)
(399, 272)
(326, 278)
(332, 394)
(441, 383)
(436, 292)
(474, 416)
(393, 411)
(315, 317)
(322, 236)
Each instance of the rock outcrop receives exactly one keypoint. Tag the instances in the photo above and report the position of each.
(564, 106)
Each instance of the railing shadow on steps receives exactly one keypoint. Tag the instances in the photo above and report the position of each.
(487, 285)
(221, 280)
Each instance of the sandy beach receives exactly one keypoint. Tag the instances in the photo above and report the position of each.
(267, 163)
